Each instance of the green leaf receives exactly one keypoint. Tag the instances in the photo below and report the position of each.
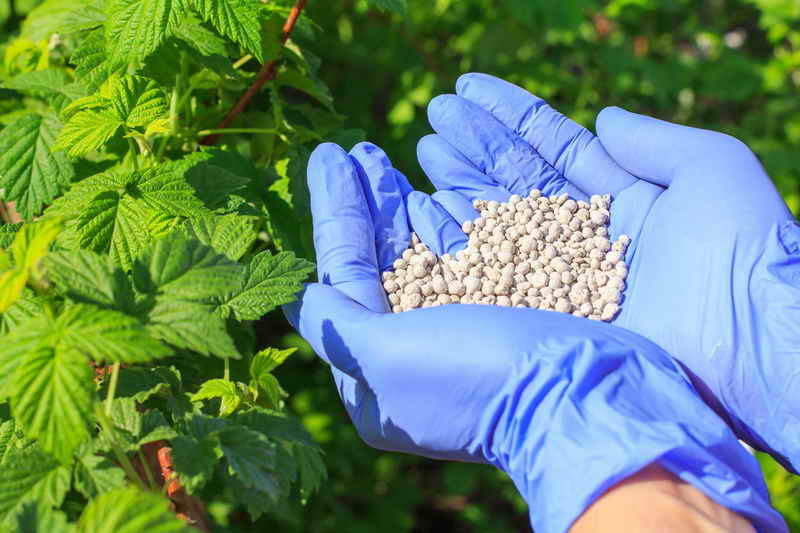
(166, 188)
(95, 475)
(194, 461)
(275, 425)
(37, 517)
(311, 469)
(63, 17)
(32, 475)
(270, 281)
(133, 429)
(268, 360)
(192, 326)
(21, 340)
(135, 28)
(140, 384)
(251, 457)
(95, 225)
(87, 131)
(26, 307)
(87, 277)
(137, 100)
(130, 510)
(52, 83)
(397, 6)
(239, 20)
(208, 49)
(185, 269)
(30, 172)
(231, 235)
(225, 390)
(53, 399)
(7, 233)
(106, 335)
(93, 66)
(130, 232)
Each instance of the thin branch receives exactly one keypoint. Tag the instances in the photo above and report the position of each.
(266, 74)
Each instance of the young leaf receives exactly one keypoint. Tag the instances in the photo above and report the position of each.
(30, 172)
(53, 398)
(268, 360)
(7, 233)
(135, 28)
(231, 235)
(239, 20)
(130, 510)
(12, 283)
(270, 281)
(225, 390)
(32, 475)
(26, 306)
(138, 101)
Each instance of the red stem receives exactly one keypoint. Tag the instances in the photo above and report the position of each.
(267, 73)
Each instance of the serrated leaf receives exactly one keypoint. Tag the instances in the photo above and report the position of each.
(32, 243)
(396, 6)
(194, 461)
(135, 28)
(87, 131)
(251, 457)
(95, 225)
(53, 398)
(225, 390)
(91, 59)
(26, 307)
(20, 341)
(275, 425)
(239, 20)
(46, 83)
(87, 277)
(231, 235)
(95, 475)
(7, 233)
(166, 188)
(12, 283)
(205, 46)
(268, 360)
(32, 475)
(140, 384)
(185, 269)
(107, 335)
(30, 172)
(270, 281)
(132, 429)
(311, 469)
(130, 510)
(192, 326)
(137, 100)
(130, 233)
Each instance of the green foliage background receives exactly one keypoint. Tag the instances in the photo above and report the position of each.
(727, 65)
(721, 64)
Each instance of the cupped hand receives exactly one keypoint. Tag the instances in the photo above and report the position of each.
(714, 264)
(567, 407)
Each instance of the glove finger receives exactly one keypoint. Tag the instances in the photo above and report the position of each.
(457, 205)
(569, 147)
(494, 149)
(434, 226)
(448, 169)
(344, 235)
(385, 200)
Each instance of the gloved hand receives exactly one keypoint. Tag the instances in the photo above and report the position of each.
(714, 265)
(565, 406)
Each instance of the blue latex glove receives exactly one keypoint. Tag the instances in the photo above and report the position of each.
(714, 266)
(567, 407)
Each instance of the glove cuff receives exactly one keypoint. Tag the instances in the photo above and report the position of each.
(568, 430)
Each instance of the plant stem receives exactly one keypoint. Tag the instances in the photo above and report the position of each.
(112, 388)
(122, 457)
(134, 153)
(175, 105)
(239, 130)
(242, 61)
(227, 373)
(267, 73)
(146, 467)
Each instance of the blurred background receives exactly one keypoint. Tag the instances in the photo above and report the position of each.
(729, 65)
